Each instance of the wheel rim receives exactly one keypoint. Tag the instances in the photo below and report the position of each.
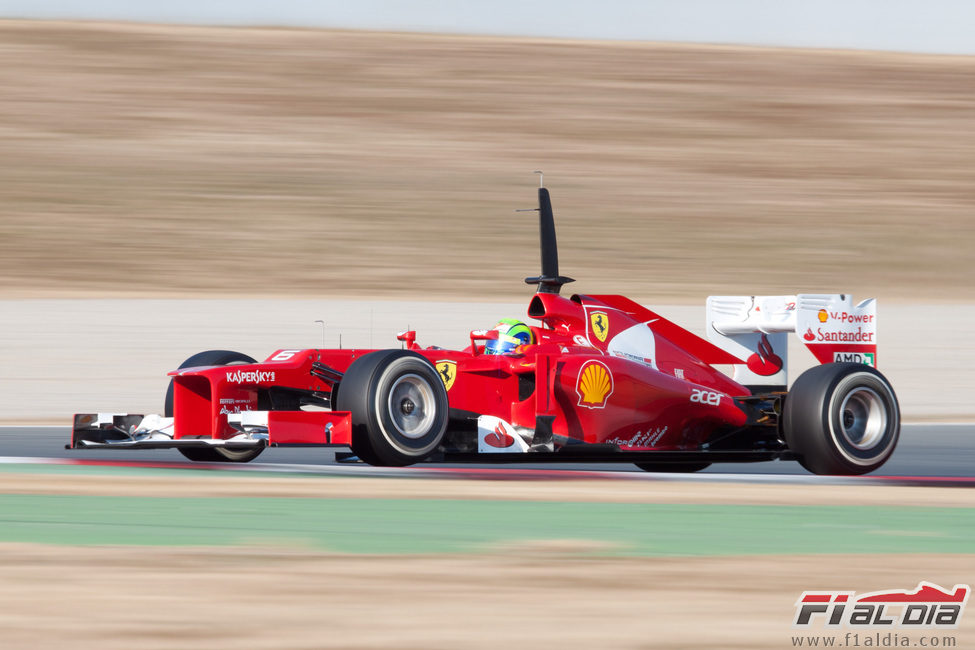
(863, 419)
(411, 406)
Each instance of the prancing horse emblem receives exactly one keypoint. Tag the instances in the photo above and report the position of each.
(599, 323)
(448, 372)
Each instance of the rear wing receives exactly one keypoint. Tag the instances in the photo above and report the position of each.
(756, 328)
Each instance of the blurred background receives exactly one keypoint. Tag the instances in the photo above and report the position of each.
(248, 169)
(310, 159)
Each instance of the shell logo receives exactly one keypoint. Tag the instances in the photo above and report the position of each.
(823, 315)
(594, 385)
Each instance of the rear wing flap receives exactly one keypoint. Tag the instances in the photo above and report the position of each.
(756, 329)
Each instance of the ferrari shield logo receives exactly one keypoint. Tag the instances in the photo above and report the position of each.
(599, 324)
(448, 372)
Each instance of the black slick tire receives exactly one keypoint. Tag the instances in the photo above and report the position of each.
(398, 407)
(841, 419)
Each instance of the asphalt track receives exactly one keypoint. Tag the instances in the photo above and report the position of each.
(925, 450)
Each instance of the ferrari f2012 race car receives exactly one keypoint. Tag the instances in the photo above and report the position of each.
(599, 378)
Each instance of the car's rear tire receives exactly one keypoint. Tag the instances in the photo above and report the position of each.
(679, 468)
(215, 454)
(841, 418)
(398, 407)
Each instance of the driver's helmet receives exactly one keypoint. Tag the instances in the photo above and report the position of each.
(511, 333)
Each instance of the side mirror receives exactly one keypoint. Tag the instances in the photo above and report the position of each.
(482, 335)
(408, 337)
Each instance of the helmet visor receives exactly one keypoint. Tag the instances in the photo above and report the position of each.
(504, 344)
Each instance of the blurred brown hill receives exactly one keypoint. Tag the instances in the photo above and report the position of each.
(161, 160)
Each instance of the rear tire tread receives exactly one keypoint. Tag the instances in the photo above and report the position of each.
(814, 428)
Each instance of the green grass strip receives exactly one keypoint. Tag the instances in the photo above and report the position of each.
(456, 526)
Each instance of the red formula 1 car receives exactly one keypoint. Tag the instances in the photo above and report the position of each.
(601, 378)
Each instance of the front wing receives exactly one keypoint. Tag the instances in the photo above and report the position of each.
(253, 429)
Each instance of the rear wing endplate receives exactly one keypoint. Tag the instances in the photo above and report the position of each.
(756, 328)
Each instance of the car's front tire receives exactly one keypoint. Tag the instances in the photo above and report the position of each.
(841, 418)
(215, 454)
(398, 406)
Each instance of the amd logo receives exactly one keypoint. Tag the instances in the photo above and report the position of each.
(866, 358)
